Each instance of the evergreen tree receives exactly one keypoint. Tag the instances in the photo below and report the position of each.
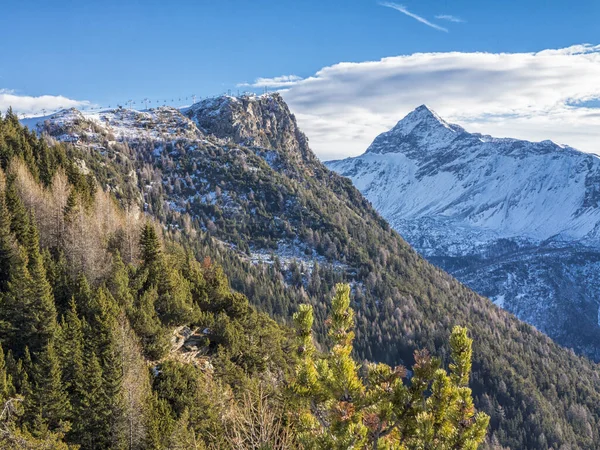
(146, 323)
(71, 350)
(150, 245)
(6, 241)
(90, 430)
(41, 308)
(16, 329)
(28, 314)
(84, 298)
(19, 219)
(57, 273)
(192, 271)
(101, 341)
(342, 410)
(7, 389)
(159, 423)
(112, 387)
(50, 396)
(174, 303)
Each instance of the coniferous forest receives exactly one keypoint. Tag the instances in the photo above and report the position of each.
(127, 325)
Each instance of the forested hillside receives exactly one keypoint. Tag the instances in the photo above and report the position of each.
(247, 192)
(92, 305)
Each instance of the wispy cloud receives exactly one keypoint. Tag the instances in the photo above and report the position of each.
(449, 18)
(30, 105)
(403, 10)
(551, 94)
(275, 82)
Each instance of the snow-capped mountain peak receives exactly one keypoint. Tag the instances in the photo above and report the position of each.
(423, 115)
(426, 168)
(422, 128)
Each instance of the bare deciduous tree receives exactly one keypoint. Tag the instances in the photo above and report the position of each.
(258, 421)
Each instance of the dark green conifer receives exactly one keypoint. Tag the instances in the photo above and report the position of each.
(159, 424)
(7, 389)
(19, 219)
(88, 431)
(6, 241)
(50, 395)
(41, 311)
(70, 350)
(150, 245)
(183, 436)
(16, 329)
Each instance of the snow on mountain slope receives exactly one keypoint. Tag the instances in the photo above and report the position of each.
(425, 168)
(121, 125)
(517, 221)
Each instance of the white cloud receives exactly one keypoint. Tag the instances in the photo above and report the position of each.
(29, 105)
(449, 18)
(276, 82)
(403, 10)
(534, 96)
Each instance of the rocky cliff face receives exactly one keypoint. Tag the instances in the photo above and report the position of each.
(517, 221)
(254, 121)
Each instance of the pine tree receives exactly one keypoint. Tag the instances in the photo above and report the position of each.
(334, 380)
(51, 399)
(150, 245)
(174, 304)
(192, 271)
(19, 219)
(28, 314)
(101, 340)
(183, 436)
(71, 206)
(7, 389)
(160, 423)
(6, 240)
(16, 329)
(146, 323)
(41, 309)
(112, 387)
(88, 430)
(84, 298)
(344, 410)
(70, 349)
(57, 273)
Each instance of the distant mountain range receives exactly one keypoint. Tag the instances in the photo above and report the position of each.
(517, 221)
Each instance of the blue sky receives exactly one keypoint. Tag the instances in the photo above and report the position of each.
(107, 52)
